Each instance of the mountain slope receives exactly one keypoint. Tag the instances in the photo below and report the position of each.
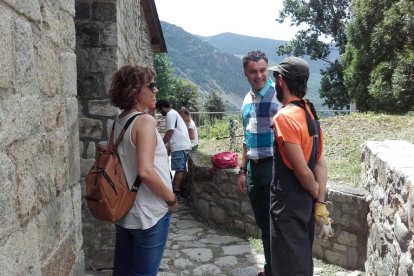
(214, 63)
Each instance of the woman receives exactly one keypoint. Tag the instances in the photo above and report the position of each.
(142, 233)
(191, 126)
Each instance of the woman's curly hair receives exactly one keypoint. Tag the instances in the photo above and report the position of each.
(126, 83)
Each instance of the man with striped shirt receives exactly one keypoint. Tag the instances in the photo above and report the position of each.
(259, 106)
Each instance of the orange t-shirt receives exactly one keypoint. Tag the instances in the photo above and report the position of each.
(290, 126)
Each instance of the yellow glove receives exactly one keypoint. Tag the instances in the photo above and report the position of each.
(321, 214)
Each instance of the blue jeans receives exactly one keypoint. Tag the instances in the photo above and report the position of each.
(139, 252)
(179, 160)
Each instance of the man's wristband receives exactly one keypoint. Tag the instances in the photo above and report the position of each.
(243, 170)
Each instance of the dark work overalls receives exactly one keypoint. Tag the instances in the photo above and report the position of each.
(291, 208)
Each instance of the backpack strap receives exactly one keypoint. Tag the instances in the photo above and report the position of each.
(121, 134)
(113, 146)
(313, 130)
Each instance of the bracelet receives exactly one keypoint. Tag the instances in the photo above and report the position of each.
(172, 203)
(243, 170)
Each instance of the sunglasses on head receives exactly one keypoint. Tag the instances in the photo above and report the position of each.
(152, 85)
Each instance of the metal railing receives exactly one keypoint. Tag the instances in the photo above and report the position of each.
(207, 118)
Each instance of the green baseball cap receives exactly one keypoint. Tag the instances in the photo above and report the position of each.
(292, 68)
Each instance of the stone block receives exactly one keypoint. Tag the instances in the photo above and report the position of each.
(109, 36)
(347, 239)
(218, 215)
(68, 6)
(65, 31)
(88, 33)
(48, 67)
(91, 85)
(62, 259)
(340, 247)
(55, 224)
(25, 73)
(68, 74)
(99, 258)
(104, 11)
(246, 207)
(336, 258)
(28, 8)
(21, 247)
(8, 189)
(402, 234)
(85, 165)
(77, 215)
(317, 251)
(83, 10)
(227, 204)
(78, 268)
(81, 149)
(7, 49)
(28, 188)
(251, 229)
(102, 108)
(354, 259)
(90, 128)
(83, 63)
(91, 150)
(203, 208)
(239, 225)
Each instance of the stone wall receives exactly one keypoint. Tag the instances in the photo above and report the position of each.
(348, 247)
(216, 200)
(40, 224)
(109, 34)
(389, 178)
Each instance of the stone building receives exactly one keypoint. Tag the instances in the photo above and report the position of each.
(56, 60)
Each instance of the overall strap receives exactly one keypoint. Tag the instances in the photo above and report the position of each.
(313, 130)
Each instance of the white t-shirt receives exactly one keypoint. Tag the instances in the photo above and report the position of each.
(180, 139)
(148, 208)
(192, 125)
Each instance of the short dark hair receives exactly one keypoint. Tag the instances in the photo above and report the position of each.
(162, 103)
(255, 56)
(296, 86)
(126, 82)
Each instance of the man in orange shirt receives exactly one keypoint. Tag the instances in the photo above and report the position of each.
(299, 174)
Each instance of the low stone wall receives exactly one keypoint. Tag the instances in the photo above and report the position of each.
(348, 246)
(216, 199)
(389, 178)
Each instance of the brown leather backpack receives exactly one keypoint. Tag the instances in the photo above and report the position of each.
(107, 192)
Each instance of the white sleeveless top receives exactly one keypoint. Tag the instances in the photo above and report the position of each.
(148, 207)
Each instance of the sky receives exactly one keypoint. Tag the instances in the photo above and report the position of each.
(210, 17)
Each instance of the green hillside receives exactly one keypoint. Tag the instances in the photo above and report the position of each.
(214, 63)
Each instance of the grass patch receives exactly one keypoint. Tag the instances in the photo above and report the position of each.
(257, 245)
(343, 136)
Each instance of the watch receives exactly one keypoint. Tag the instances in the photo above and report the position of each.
(243, 170)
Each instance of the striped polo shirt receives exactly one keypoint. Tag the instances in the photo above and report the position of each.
(257, 112)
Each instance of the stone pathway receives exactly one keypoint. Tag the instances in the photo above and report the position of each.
(195, 248)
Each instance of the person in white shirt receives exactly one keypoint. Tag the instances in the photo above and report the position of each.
(180, 145)
(142, 233)
(191, 126)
